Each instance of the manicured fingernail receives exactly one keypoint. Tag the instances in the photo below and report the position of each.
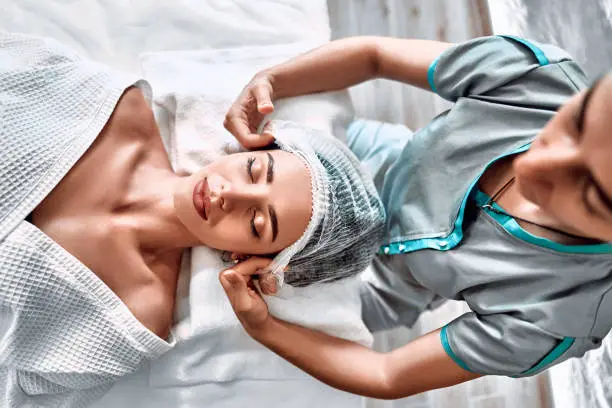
(270, 283)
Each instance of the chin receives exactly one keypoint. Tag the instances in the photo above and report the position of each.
(183, 203)
(535, 192)
(526, 190)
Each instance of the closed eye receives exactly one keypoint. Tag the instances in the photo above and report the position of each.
(249, 168)
(599, 203)
(253, 228)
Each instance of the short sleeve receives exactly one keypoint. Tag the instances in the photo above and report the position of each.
(487, 65)
(502, 344)
(377, 145)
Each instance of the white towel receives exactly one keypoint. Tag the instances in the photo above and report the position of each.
(192, 93)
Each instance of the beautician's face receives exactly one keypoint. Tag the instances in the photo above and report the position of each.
(568, 169)
(250, 203)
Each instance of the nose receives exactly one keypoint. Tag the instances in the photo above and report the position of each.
(553, 160)
(549, 166)
(239, 196)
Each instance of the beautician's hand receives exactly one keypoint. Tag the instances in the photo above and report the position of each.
(248, 305)
(245, 115)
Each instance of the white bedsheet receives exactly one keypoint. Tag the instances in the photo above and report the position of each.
(116, 32)
(195, 89)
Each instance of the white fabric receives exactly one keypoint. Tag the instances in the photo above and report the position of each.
(116, 32)
(348, 218)
(196, 88)
(190, 82)
(191, 120)
(65, 335)
(212, 348)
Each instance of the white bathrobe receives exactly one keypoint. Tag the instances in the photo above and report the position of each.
(64, 335)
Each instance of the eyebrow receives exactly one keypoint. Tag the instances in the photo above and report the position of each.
(270, 176)
(585, 104)
(274, 222)
(271, 209)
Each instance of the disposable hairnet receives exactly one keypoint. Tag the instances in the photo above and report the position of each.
(347, 221)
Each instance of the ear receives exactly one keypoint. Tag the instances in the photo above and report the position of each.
(238, 257)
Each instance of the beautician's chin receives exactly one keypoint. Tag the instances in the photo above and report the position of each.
(536, 191)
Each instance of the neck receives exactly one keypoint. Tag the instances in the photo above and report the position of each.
(151, 213)
(529, 215)
(539, 223)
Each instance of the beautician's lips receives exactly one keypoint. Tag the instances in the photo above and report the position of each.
(201, 201)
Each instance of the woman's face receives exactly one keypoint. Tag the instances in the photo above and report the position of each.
(249, 203)
(567, 171)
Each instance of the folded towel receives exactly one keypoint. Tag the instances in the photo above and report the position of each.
(192, 93)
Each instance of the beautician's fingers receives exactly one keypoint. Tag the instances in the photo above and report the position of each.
(243, 125)
(246, 113)
(237, 122)
(263, 95)
(267, 283)
(237, 290)
(252, 266)
(248, 306)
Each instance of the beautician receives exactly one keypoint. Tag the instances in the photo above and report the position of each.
(504, 202)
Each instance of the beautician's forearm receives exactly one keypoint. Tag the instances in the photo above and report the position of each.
(350, 61)
(339, 363)
(333, 66)
(417, 367)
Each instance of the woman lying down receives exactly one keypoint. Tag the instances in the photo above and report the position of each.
(94, 221)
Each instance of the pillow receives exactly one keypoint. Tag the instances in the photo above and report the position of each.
(192, 92)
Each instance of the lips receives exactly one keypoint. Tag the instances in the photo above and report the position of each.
(201, 199)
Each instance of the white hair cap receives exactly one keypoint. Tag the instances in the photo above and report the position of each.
(347, 221)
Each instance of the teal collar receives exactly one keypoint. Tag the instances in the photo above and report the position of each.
(513, 227)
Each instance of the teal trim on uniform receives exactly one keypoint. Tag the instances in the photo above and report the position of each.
(431, 72)
(550, 358)
(513, 227)
(456, 235)
(539, 54)
(449, 350)
(441, 244)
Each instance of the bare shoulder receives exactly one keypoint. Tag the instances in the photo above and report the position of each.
(132, 115)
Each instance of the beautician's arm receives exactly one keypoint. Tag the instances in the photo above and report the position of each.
(347, 62)
(419, 366)
(334, 66)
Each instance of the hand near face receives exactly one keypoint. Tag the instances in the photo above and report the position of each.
(238, 283)
(246, 113)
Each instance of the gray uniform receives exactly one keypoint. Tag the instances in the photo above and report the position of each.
(534, 302)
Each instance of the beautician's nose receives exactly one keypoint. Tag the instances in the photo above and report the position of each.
(560, 160)
(239, 196)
